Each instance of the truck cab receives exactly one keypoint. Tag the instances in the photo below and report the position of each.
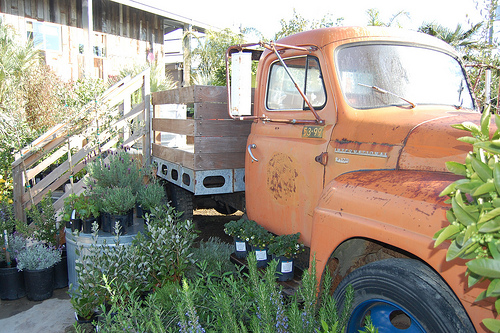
(351, 131)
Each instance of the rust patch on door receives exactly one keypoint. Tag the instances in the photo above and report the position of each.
(281, 178)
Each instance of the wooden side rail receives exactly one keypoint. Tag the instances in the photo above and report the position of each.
(98, 133)
(213, 140)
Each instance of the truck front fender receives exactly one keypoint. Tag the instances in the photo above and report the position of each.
(399, 209)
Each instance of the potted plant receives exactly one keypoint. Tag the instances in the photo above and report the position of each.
(44, 226)
(121, 170)
(86, 210)
(259, 241)
(85, 303)
(118, 202)
(37, 262)
(240, 231)
(12, 280)
(67, 211)
(150, 196)
(284, 248)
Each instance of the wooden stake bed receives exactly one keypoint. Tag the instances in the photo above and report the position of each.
(212, 151)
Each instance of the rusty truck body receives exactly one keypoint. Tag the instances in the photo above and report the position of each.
(346, 142)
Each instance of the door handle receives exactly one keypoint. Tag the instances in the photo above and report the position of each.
(249, 148)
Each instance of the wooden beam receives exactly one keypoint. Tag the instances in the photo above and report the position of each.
(177, 126)
(178, 156)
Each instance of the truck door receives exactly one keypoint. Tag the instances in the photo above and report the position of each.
(284, 172)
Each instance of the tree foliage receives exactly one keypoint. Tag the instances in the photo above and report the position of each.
(210, 56)
(298, 24)
(374, 18)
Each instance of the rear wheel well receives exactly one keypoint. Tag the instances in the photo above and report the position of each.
(357, 252)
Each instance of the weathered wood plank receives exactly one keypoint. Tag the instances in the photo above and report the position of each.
(211, 111)
(219, 161)
(191, 94)
(228, 145)
(177, 126)
(222, 128)
(18, 191)
(178, 156)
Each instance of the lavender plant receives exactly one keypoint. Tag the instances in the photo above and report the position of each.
(37, 257)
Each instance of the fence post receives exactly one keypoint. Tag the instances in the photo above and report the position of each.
(146, 143)
(18, 191)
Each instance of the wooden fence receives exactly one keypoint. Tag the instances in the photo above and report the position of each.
(102, 124)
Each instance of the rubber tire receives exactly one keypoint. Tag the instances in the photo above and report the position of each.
(182, 200)
(412, 287)
(224, 209)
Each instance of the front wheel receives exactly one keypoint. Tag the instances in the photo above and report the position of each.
(402, 295)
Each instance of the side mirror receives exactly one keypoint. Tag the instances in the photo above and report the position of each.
(241, 84)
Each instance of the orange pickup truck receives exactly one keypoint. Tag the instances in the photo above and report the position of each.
(350, 132)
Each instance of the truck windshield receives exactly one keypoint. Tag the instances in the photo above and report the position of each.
(410, 74)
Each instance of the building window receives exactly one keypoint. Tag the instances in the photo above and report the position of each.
(45, 36)
(100, 45)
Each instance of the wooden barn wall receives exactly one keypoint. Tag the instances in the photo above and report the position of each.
(129, 32)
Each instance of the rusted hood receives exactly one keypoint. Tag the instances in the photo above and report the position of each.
(432, 143)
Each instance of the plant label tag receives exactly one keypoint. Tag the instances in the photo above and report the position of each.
(286, 266)
(261, 255)
(240, 246)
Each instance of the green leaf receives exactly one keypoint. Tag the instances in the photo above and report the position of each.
(481, 296)
(490, 146)
(482, 169)
(451, 188)
(450, 216)
(456, 168)
(492, 324)
(484, 188)
(493, 247)
(490, 226)
(446, 234)
(468, 126)
(490, 215)
(493, 288)
(470, 186)
(485, 124)
(460, 213)
(468, 139)
(496, 176)
(486, 267)
(454, 251)
(497, 120)
(473, 279)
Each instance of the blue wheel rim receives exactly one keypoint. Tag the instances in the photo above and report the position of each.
(386, 316)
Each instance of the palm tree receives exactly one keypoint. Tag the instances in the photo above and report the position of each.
(460, 39)
(375, 20)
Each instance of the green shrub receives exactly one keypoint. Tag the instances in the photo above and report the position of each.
(474, 215)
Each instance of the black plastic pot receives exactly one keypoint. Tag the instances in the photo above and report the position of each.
(240, 248)
(105, 222)
(61, 272)
(76, 224)
(123, 220)
(130, 218)
(39, 283)
(11, 282)
(262, 256)
(285, 268)
(87, 225)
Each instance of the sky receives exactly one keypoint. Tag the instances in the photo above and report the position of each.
(265, 15)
